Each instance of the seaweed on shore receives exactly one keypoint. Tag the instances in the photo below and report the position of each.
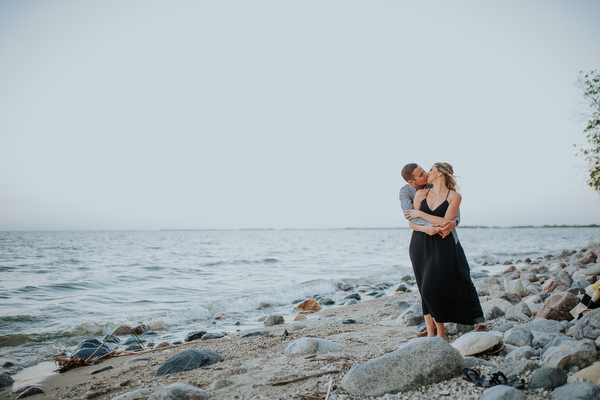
(65, 364)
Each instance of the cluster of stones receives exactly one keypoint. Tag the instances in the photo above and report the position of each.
(533, 334)
(309, 306)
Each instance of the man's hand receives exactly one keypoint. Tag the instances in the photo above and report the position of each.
(431, 230)
(410, 214)
(447, 227)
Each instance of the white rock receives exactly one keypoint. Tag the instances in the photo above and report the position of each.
(497, 302)
(515, 286)
(477, 342)
(309, 345)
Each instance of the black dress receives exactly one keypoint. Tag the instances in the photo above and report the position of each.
(437, 271)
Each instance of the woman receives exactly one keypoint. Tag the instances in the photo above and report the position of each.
(434, 258)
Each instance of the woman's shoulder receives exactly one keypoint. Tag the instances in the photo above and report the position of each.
(454, 195)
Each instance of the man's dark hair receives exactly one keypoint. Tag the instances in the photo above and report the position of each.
(407, 171)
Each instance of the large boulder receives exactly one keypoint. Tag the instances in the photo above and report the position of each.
(558, 306)
(566, 352)
(309, 345)
(188, 360)
(420, 362)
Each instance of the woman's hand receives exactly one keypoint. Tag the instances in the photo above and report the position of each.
(431, 230)
(411, 214)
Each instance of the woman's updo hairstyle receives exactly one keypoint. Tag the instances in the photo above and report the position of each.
(448, 172)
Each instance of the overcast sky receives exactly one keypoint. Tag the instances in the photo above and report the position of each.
(280, 114)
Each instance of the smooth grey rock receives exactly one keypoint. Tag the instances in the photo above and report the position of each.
(88, 347)
(326, 301)
(274, 320)
(212, 335)
(477, 342)
(188, 360)
(134, 347)
(309, 345)
(5, 380)
(576, 391)
(194, 335)
(548, 378)
(519, 336)
(546, 326)
(179, 391)
(502, 392)
(421, 361)
(412, 316)
(588, 326)
(351, 302)
(565, 353)
(524, 352)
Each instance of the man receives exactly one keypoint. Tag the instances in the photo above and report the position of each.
(416, 178)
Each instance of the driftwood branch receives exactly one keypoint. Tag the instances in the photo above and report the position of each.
(335, 371)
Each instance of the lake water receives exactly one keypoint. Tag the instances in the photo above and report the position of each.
(58, 288)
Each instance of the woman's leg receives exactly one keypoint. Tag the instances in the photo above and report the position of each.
(430, 324)
(441, 331)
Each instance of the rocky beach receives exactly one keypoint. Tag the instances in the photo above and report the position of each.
(365, 345)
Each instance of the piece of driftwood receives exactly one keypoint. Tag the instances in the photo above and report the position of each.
(335, 371)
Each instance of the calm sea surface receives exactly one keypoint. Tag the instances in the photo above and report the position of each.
(58, 288)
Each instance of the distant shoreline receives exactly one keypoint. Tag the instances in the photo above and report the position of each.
(299, 229)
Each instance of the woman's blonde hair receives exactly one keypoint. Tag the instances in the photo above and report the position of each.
(448, 172)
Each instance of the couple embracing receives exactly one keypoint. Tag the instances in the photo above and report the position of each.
(431, 204)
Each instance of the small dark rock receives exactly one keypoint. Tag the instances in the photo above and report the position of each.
(5, 380)
(29, 391)
(513, 298)
(252, 334)
(188, 360)
(194, 335)
(212, 335)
